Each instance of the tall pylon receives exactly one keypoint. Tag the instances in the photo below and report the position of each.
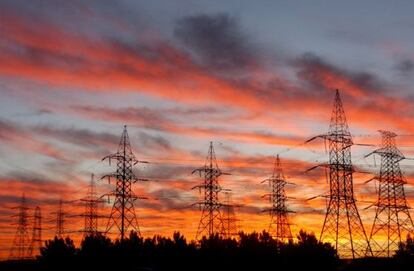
(91, 210)
(279, 226)
(123, 216)
(21, 240)
(211, 219)
(36, 242)
(229, 219)
(392, 217)
(342, 226)
(60, 220)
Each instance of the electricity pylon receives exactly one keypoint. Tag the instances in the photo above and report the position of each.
(211, 219)
(279, 226)
(91, 210)
(123, 215)
(60, 220)
(392, 217)
(342, 226)
(21, 240)
(36, 242)
(229, 219)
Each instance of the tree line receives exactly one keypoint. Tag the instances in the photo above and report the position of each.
(249, 251)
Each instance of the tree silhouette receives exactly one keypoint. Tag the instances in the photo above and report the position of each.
(405, 254)
(58, 253)
(95, 250)
(249, 251)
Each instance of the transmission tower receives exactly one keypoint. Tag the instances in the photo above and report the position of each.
(211, 219)
(342, 226)
(392, 217)
(91, 210)
(229, 217)
(21, 240)
(60, 220)
(36, 242)
(123, 216)
(279, 226)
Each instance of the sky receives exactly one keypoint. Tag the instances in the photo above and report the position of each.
(255, 77)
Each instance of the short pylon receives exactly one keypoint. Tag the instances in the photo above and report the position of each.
(21, 240)
(229, 217)
(279, 226)
(91, 210)
(211, 218)
(36, 242)
(60, 220)
(392, 220)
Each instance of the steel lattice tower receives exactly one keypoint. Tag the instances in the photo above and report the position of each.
(392, 217)
(123, 216)
(21, 240)
(60, 220)
(36, 242)
(211, 219)
(342, 226)
(91, 210)
(229, 217)
(279, 226)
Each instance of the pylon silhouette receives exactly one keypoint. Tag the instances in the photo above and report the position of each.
(392, 217)
(21, 240)
(60, 220)
(211, 219)
(342, 226)
(229, 219)
(123, 216)
(91, 210)
(36, 242)
(279, 226)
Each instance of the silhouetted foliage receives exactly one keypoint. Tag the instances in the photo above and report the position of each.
(309, 252)
(249, 251)
(405, 253)
(58, 253)
(95, 250)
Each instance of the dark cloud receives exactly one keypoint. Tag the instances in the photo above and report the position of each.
(218, 40)
(80, 137)
(168, 199)
(405, 66)
(6, 129)
(143, 117)
(184, 111)
(35, 113)
(157, 142)
(312, 66)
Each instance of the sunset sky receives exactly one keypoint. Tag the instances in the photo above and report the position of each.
(255, 77)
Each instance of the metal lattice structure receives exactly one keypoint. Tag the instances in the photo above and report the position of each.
(211, 219)
(229, 218)
(279, 226)
(21, 241)
(91, 210)
(123, 216)
(60, 220)
(36, 242)
(392, 218)
(342, 226)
